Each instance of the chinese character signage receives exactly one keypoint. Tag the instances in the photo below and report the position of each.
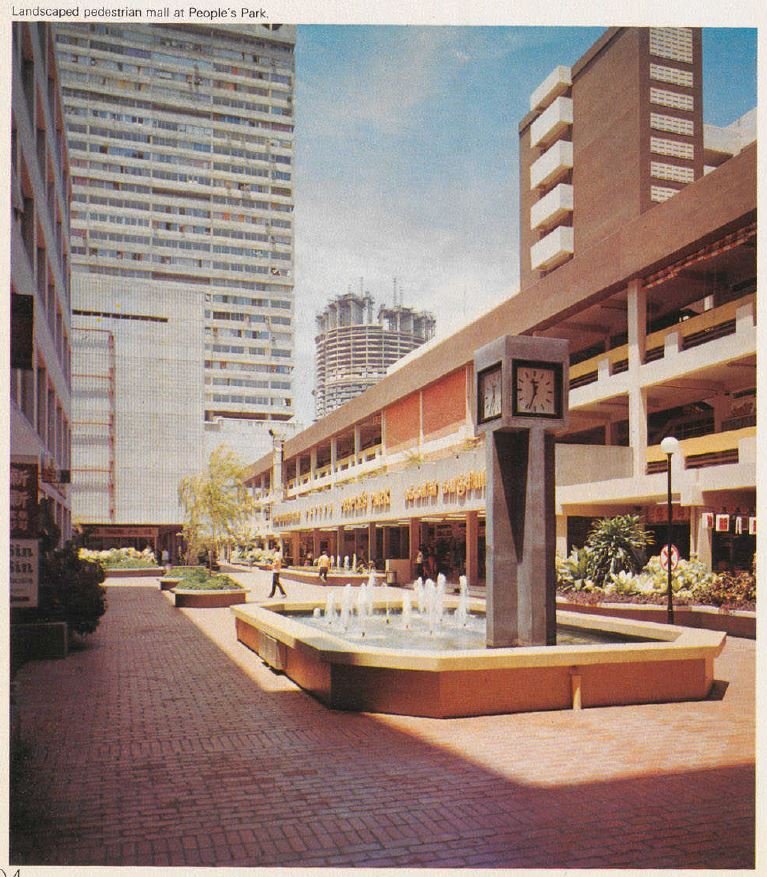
(23, 500)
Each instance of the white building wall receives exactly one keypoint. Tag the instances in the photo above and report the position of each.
(158, 397)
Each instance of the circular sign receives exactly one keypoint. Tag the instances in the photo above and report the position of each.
(664, 557)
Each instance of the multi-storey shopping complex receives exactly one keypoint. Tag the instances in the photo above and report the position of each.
(40, 390)
(354, 348)
(637, 245)
(181, 153)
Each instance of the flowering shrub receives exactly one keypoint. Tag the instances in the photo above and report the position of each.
(727, 589)
(691, 581)
(120, 558)
(249, 554)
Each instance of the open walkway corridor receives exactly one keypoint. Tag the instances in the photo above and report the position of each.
(165, 742)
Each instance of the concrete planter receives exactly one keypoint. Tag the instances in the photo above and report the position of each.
(167, 583)
(733, 622)
(131, 573)
(213, 599)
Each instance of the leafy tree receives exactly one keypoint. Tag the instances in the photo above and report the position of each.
(616, 545)
(216, 504)
(70, 587)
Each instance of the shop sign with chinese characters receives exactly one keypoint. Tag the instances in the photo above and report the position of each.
(24, 565)
(23, 500)
(24, 546)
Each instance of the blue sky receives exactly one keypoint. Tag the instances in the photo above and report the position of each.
(406, 159)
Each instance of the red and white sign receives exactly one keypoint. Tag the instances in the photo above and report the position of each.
(664, 554)
(722, 523)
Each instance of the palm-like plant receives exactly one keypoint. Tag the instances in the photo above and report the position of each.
(616, 545)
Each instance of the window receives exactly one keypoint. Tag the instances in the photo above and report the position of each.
(672, 124)
(674, 43)
(672, 99)
(672, 172)
(672, 147)
(672, 75)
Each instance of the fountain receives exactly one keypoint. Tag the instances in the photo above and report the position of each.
(518, 665)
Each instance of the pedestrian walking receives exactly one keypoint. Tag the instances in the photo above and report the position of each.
(276, 567)
(324, 565)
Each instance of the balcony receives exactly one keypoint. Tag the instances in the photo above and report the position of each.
(694, 332)
(552, 165)
(552, 250)
(552, 208)
(552, 123)
(714, 449)
(555, 84)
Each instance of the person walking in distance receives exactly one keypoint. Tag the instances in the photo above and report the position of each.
(276, 567)
(324, 565)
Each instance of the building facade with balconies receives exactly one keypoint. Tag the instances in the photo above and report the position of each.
(181, 150)
(662, 340)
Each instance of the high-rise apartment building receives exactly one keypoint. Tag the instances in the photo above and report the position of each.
(40, 390)
(354, 350)
(606, 140)
(181, 150)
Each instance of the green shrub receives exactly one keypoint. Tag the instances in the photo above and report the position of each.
(181, 572)
(616, 545)
(573, 571)
(204, 582)
(71, 591)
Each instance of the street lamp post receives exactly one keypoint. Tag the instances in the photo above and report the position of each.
(669, 446)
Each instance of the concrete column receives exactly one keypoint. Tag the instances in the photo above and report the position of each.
(371, 541)
(637, 323)
(561, 542)
(701, 541)
(521, 592)
(295, 546)
(340, 545)
(316, 543)
(414, 527)
(385, 546)
(472, 547)
(357, 443)
(638, 428)
(333, 458)
(313, 462)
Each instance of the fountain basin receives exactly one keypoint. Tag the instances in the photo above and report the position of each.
(676, 664)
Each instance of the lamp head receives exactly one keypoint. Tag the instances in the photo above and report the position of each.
(669, 445)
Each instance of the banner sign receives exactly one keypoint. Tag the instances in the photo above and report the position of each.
(23, 500)
(24, 566)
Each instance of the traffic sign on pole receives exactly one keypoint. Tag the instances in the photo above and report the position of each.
(664, 557)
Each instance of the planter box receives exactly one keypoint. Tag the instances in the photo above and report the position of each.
(310, 576)
(195, 599)
(36, 640)
(733, 622)
(167, 583)
(130, 573)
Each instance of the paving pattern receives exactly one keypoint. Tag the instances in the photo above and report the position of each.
(164, 742)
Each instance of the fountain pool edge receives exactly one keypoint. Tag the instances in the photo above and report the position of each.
(678, 665)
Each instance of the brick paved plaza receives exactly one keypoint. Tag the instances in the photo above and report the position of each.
(165, 742)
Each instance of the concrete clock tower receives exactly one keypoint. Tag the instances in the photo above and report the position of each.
(521, 391)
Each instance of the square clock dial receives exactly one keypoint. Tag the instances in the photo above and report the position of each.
(536, 389)
(489, 393)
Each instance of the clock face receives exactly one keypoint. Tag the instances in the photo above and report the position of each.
(536, 389)
(489, 393)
